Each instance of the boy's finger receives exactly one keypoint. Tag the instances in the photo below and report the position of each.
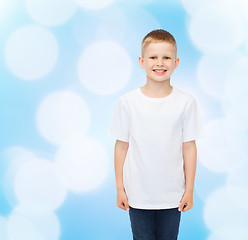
(122, 206)
(186, 208)
(127, 206)
(181, 207)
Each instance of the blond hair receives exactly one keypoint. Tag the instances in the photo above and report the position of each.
(158, 35)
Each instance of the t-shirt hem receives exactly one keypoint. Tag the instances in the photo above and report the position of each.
(117, 136)
(193, 138)
(144, 206)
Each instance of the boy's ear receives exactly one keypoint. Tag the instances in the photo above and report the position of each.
(141, 62)
(176, 62)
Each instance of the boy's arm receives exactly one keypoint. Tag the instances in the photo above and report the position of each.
(189, 159)
(121, 149)
(120, 156)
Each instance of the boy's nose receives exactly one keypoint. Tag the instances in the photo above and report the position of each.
(159, 63)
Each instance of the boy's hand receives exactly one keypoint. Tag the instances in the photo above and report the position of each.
(186, 201)
(122, 201)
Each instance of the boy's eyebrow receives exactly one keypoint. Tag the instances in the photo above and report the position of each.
(156, 53)
(165, 55)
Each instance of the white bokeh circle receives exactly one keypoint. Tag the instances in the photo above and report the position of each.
(142, 19)
(2, 8)
(104, 24)
(15, 157)
(216, 28)
(229, 233)
(137, 2)
(51, 12)
(62, 116)
(241, 6)
(191, 6)
(94, 4)
(104, 67)
(2, 5)
(206, 181)
(219, 211)
(44, 227)
(212, 72)
(21, 228)
(38, 188)
(31, 52)
(109, 23)
(3, 228)
(235, 92)
(224, 147)
(237, 185)
(83, 165)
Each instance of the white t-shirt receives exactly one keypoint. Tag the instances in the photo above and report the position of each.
(153, 175)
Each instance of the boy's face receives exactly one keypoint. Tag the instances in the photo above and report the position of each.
(159, 61)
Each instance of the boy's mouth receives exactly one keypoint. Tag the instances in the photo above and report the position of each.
(159, 70)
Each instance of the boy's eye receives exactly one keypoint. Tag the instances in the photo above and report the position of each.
(164, 57)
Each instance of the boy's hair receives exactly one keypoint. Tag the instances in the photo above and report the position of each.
(158, 35)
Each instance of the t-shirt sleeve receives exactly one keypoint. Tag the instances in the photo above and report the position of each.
(193, 127)
(119, 124)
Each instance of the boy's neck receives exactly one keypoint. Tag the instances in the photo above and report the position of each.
(157, 90)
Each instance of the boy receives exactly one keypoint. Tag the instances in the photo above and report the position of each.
(155, 127)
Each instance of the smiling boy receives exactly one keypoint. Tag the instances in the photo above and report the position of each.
(155, 127)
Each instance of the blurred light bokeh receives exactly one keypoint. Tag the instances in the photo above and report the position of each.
(63, 65)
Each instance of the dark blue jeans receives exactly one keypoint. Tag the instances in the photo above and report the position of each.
(155, 224)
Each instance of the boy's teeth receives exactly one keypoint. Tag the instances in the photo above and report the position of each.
(159, 70)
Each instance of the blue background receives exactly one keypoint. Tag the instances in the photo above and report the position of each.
(94, 215)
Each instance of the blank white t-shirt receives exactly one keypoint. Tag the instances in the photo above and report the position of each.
(153, 174)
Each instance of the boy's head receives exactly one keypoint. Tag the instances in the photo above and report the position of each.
(155, 36)
(159, 55)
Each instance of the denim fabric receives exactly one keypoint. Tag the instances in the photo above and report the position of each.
(155, 224)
